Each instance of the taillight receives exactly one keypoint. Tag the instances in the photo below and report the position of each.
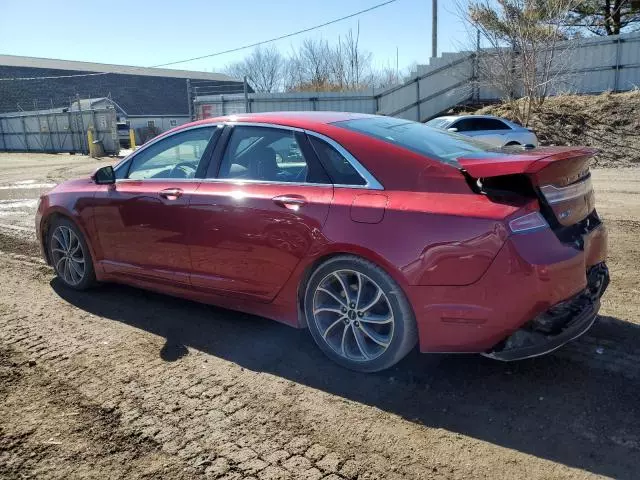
(555, 194)
(527, 223)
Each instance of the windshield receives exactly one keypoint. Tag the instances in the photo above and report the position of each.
(438, 144)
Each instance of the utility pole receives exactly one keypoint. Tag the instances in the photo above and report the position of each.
(246, 94)
(434, 28)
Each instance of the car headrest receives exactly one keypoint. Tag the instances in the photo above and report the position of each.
(263, 165)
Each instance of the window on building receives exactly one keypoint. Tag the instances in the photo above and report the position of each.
(151, 124)
(173, 123)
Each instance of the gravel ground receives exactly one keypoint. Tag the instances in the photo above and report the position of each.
(122, 383)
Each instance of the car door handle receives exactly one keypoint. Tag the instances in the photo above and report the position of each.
(293, 202)
(171, 193)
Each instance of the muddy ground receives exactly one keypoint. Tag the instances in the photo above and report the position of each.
(122, 383)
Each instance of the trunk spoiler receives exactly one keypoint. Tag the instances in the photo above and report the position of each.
(528, 162)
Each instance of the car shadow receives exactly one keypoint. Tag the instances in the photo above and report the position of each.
(551, 407)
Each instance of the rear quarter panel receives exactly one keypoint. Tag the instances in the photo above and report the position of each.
(422, 238)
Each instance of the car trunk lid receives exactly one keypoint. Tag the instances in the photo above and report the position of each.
(558, 177)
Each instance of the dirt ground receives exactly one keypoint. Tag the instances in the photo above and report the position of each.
(122, 383)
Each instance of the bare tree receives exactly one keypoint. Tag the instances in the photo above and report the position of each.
(388, 76)
(263, 67)
(383, 77)
(357, 62)
(605, 17)
(524, 59)
(314, 66)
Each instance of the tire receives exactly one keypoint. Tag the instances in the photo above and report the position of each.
(358, 334)
(513, 144)
(70, 255)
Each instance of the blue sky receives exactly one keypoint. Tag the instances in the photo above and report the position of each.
(158, 33)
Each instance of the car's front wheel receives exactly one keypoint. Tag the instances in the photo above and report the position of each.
(69, 254)
(358, 315)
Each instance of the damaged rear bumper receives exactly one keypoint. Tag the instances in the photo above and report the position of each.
(557, 326)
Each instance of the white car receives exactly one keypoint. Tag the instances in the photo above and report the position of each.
(493, 130)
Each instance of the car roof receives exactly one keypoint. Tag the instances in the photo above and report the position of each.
(451, 118)
(289, 119)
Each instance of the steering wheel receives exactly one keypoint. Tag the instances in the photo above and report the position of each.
(186, 169)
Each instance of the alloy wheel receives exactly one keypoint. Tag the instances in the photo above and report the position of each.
(68, 256)
(353, 315)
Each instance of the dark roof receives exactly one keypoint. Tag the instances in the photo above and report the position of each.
(73, 65)
(137, 94)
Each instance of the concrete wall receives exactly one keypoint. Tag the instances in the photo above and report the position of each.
(215, 105)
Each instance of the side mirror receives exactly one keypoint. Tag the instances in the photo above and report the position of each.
(104, 176)
(452, 129)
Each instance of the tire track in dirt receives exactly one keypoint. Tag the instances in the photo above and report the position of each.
(223, 420)
(226, 395)
(59, 433)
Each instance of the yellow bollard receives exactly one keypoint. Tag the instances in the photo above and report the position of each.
(90, 141)
(132, 139)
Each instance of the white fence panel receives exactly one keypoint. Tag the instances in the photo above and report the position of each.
(590, 65)
(58, 131)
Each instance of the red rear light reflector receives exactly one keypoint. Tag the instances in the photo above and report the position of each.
(527, 223)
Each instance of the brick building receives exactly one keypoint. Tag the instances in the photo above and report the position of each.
(147, 96)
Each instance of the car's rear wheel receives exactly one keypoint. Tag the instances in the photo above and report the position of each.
(358, 315)
(69, 254)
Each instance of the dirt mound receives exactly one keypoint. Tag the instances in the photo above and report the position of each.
(609, 122)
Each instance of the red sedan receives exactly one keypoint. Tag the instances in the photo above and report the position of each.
(374, 233)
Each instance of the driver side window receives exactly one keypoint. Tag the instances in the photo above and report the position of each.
(176, 156)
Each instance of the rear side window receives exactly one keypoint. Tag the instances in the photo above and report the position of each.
(465, 125)
(339, 168)
(437, 144)
(490, 124)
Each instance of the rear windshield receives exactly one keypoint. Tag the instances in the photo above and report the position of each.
(440, 145)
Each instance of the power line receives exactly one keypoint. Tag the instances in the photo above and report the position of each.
(244, 47)
(280, 37)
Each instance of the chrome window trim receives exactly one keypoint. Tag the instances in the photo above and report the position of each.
(238, 182)
(232, 123)
(371, 182)
(154, 180)
(155, 140)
